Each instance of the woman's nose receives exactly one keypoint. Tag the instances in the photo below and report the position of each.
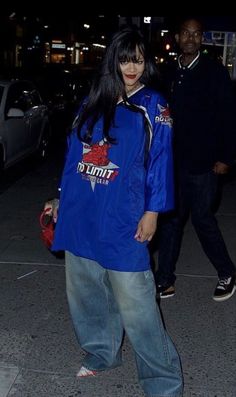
(132, 66)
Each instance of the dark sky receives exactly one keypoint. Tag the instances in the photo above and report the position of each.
(221, 23)
(63, 12)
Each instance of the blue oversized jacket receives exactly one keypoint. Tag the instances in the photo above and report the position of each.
(106, 188)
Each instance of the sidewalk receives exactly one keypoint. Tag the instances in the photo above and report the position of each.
(39, 355)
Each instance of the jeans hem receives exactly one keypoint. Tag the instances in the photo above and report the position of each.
(102, 369)
(164, 395)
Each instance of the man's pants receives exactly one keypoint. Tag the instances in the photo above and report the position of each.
(196, 195)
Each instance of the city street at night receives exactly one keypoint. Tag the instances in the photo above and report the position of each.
(65, 71)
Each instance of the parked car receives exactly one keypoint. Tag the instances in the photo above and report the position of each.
(24, 122)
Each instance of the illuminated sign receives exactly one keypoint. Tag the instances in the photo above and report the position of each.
(59, 45)
(147, 19)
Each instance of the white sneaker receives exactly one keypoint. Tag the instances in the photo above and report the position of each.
(84, 372)
(225, 288)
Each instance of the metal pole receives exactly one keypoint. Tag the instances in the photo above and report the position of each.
(225, 48)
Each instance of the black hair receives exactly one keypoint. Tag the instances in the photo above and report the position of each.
(184, 19)
(108, 86)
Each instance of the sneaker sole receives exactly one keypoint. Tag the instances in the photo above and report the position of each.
(224, 298)
(85, 373)
(167, 296)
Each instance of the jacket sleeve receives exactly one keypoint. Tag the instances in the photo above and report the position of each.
(226, 113)
(159, 180)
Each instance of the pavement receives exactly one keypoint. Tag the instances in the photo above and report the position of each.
(39, 354)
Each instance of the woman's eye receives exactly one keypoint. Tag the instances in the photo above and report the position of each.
(124, 63)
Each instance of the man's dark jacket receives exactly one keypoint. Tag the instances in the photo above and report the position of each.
(203, 108)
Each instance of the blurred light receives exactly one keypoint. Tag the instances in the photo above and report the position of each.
(58, 45)
(12, 15)
(99, 45)
(163, 31)
(147, 19)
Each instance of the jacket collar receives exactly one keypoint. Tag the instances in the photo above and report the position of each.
(192, 64)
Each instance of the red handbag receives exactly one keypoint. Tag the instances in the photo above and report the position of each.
(47, 228)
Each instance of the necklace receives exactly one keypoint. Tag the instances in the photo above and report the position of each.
(134, 88)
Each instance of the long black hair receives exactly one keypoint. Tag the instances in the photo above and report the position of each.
(109, 87)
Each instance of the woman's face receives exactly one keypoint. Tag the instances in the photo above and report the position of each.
(132, 71)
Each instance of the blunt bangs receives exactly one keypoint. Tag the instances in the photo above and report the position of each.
(128, 53)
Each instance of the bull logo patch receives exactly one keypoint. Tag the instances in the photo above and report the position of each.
(95, 165)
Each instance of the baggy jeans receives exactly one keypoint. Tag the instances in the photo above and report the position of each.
(103, 303)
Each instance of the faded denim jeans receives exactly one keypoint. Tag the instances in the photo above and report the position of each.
(103, 303)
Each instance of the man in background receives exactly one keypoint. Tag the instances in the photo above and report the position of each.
(203, 110)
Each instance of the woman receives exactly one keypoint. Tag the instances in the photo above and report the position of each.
(117, 178)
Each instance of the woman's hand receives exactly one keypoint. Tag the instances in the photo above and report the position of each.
(52, 208)
(146, 226)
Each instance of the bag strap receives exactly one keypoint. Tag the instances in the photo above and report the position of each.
(42, 217)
